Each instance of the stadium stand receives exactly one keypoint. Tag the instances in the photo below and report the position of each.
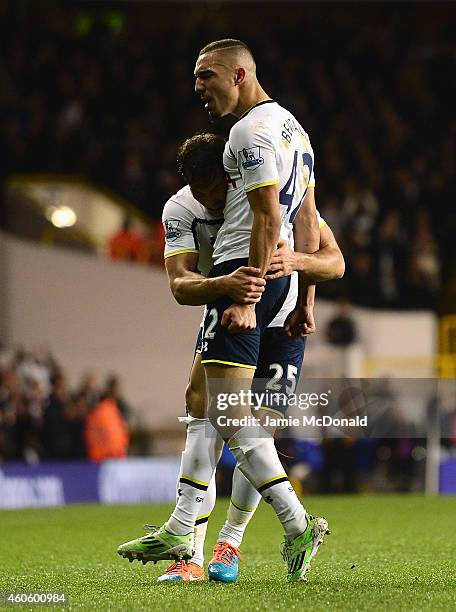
(88, 90)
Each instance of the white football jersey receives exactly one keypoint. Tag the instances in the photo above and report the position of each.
(267, 146)
(189, 228)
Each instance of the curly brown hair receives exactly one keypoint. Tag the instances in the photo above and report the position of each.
(200, 159)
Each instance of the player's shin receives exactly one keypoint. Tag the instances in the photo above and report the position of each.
(244, 501)
(257, 458)
(199, 459)
(201, 523)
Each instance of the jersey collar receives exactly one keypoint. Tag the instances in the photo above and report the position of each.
(254, 106)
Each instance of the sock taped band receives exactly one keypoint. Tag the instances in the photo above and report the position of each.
(270, 483)
(198, 484)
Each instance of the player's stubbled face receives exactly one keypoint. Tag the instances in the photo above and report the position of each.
(214, 83)
(212, 196)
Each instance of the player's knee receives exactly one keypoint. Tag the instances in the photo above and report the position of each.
(243, 446)
(195, 402)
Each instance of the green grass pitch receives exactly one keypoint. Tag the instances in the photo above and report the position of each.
(385, 553)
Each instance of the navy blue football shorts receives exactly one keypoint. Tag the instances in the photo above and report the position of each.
(239, 349)
(278, 370)
(199, 341)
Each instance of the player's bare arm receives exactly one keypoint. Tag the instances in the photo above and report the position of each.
(307, 240)
(264, 202)
(300, 321)
(324, 265)
(263, 242)
(189, 287)
(305, 227)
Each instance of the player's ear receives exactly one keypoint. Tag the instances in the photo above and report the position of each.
(240, 76)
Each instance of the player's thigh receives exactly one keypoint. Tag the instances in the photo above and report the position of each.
(228, 388)
(279, 367)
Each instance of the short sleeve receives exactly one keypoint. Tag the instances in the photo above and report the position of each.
(178, 223)
(312, 179)
(254, 151)
(321, 221)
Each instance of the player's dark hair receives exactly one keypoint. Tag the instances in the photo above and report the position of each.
(225, 43)
(200, 158)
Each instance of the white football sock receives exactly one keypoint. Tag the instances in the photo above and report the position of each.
(244, 501)
(257, 458)
(201, 523)
(199, 459)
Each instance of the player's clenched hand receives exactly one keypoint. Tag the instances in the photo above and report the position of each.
(282, 263)
(239, 317)
(244, 285)
(300, 322)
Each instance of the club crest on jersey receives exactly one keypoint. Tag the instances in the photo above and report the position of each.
(172, 231)
(251, 158)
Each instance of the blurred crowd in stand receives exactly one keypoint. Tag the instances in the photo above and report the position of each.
(42, 418)
(107, 92)
(129, 244)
